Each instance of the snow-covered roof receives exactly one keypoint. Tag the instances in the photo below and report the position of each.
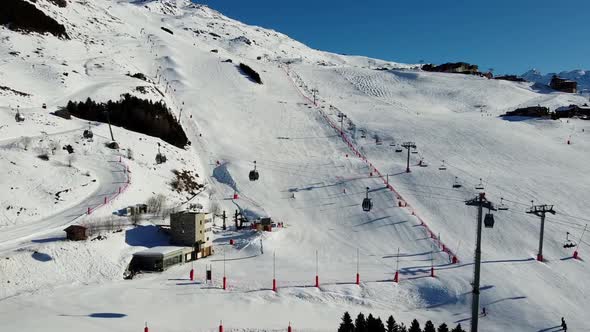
(159, 251)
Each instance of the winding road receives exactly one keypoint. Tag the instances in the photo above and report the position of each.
(110, 175)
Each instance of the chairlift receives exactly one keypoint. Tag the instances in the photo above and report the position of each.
(502, 206)
(392, 143)
(480, 185)
(398, 148)
(568, 243)
(363, 133)
(253, 176)
(415, 150)
(456, 184)
(422, 163)
(488, 221)
(367, 203)
(442, 167)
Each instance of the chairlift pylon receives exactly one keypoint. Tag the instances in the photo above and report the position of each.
(367, 203)
(253, 175)
(456, 184)
(442, 166)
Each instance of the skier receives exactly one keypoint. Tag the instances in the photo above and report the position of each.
(563, 324)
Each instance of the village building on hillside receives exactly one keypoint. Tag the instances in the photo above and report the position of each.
(571, 111)
(193, 229)
(453, 67)
(563, 85)
(512, 78)
(533, 111)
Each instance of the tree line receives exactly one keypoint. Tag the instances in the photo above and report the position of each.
(132, 113)
(372, 324)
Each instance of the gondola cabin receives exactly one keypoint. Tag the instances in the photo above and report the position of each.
(88, 134)
(488, 221)
(253, 175)
(367, 203)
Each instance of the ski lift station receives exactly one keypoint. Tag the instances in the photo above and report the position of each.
(190, 228)
(190, 238)
(158, 259)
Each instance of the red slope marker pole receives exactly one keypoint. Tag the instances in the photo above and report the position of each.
(317, 276)
(577, 246)
(396, 277)
(274, 279)
(224, 278)
(358, 276)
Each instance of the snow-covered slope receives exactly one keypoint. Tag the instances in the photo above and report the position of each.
(311, 178)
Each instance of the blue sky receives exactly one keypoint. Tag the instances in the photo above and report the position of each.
(509, 36)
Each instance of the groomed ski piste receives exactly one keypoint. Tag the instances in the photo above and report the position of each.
(313, 178)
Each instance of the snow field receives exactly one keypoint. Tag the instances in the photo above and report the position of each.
(231, 120)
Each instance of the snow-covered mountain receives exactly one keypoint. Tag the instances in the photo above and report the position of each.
(578, 75)
(314, 171)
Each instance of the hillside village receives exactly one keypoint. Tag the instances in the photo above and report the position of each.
(168, 168)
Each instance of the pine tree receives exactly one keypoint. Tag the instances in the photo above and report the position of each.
(371, 323)
(458, 328)
(443, 328)
(379, 327)
(429, 327)
(360, 325)
(391, 325)
(402, 328)
(374, 324)
(346, 325)
(415, 326)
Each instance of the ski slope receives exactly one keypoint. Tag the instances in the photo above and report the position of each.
(310, 179)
